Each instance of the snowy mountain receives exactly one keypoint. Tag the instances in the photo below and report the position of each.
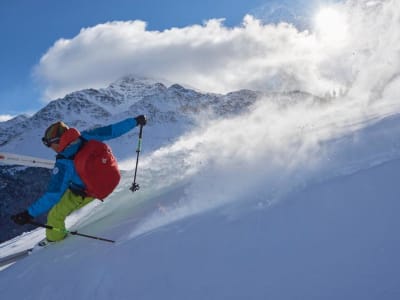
(243, 196)
(129, 96)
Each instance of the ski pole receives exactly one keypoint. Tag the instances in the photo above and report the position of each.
(70, 232)
(136, 186)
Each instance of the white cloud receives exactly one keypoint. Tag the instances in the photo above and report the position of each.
(213, 57)
(4, 118)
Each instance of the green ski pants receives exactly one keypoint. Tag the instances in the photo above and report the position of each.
(57, 215)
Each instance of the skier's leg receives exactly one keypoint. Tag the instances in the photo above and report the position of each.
(57, 215)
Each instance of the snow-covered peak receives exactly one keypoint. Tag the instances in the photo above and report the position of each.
(134, 82)
(128, 96)
(133, 88)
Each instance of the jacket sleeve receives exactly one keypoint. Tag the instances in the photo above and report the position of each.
(57, 186)
(111, 131)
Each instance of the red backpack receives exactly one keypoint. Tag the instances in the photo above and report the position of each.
(98, 168)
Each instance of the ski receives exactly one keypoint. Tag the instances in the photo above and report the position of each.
(29, 161)
(12, 258)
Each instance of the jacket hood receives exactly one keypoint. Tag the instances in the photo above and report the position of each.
(71, 135)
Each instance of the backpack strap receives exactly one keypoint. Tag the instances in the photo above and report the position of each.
(60, 156)
(75, 189)
(72, 157)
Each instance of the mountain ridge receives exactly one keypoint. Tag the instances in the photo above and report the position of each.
(124, 98)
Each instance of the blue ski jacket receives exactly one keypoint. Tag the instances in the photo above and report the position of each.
(64, 174)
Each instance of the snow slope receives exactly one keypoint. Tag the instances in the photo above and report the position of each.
(336, 240)
(306, 211)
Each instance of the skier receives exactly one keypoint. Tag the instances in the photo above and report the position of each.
(67, 191)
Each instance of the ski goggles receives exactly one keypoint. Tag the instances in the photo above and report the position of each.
(48, 142)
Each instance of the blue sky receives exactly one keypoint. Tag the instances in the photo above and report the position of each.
(29, 28)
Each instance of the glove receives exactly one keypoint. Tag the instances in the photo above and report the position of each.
(22, 218)
(141, 120)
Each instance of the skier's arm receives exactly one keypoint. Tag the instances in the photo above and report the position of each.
(111, 131)
(57, 186)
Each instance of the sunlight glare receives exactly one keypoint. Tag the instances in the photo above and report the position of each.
(331, 25)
